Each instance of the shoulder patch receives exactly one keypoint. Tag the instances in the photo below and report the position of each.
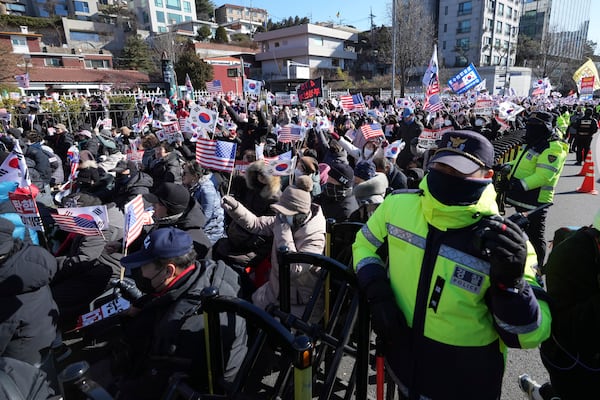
(552, 158)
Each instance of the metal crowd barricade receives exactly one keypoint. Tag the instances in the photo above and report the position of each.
(332, 339)
(299, 348)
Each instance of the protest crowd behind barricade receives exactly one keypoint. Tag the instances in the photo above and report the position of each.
(219, 170)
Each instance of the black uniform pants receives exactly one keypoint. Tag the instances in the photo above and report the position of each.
(582, 146)
(536, 232)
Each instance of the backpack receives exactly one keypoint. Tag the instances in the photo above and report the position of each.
(565, 232)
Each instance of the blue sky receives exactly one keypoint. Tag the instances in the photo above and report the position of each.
(357, 13)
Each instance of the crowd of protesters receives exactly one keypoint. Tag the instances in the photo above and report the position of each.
(203, 218)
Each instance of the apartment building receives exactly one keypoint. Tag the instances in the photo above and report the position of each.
(241, 19)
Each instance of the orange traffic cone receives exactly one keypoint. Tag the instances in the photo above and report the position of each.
(588, 160)
(588, 182)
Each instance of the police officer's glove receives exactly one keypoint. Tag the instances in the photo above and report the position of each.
(515, 185)
(506, 245)
(386, 318)
(128, 289)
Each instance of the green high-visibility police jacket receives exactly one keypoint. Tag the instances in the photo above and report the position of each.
(538, 168)
(442, 287)
(562, 123)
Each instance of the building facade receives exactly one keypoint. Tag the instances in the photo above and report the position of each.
(321, 48)
(157, 15)
(560, 25)
(481, 32)
(241, 19)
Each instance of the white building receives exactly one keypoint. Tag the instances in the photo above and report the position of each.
(241, 19)
(482, 32)
(157, 15)
(321, 48)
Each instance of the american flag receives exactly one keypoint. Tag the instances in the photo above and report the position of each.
(214, 86)
(289, 133)
(216, 154)
(371, 131)
(135, 219)
(354, 102)
(77, 224)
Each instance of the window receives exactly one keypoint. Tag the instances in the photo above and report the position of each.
(463, 44)
(505, 44)
(445, 28)
(187, 18)
(104, 64)
(490, 24)
(500, 8)
(446, 10)
(486, 59)
(85, 36)
(498, 27)
(497, 43)
(487, 40)
(82, 6)
(53, 62)
(158, 3)
(335, 62)
(174, 18)
(19, 44)
(160, 16)
(162, 29)
(187, 7)
(444, 45)
(507, 29)
(465, 8)
(496, 60)
(509, 12)
(174, 4)
(464, 26)
(460, 61)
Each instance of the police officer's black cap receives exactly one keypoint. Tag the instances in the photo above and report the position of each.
(465, 151)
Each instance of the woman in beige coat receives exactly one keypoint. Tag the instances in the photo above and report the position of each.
(298, 225)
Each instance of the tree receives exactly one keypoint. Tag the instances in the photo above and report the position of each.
(205, 10)
(136, 55)
(221, 35)
(9, 63)
(203, 33)
(190, 63)
(414, 39)
(171, 44)
(286, 23)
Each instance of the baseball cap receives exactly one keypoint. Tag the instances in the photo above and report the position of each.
(342, 172)
(162, 243)
(407, 112)
(465, 151)
(541, 118)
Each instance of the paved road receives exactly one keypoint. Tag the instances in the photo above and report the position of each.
(570, 209)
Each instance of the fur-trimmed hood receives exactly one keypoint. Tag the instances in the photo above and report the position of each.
(372, 190)
(273, 186)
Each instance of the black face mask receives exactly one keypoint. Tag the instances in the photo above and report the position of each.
(143, 283)
(453, 190)
(336, 192)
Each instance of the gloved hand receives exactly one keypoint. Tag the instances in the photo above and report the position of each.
(335, 136)
(516, 185)
(384, 143)
(128, 289)
(229, 203)
(507, 247)
(386, 318)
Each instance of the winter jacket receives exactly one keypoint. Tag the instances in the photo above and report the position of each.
(167, 335)
(406, 132)
(537, 170)
(209, 199)
(309, 237)
(127, 189)
(339, 210)
(41, 162)
(396, 178)
(457, 323)
(166, 169)
(56, 165)
(28, 314)
(30, 382)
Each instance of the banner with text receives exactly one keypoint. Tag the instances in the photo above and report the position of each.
(310, 89)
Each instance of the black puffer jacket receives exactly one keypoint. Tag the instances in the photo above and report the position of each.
(126, 190)
(168, 333)
(28, 314)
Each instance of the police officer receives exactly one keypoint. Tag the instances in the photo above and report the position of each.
(585, 127)
(458, 289)
(534, 174)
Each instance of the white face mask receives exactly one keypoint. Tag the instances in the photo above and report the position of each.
(447, 122)
(368, 153)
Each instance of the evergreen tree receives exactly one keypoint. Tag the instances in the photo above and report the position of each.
(205, 10)
(190, 63)
(221, 35)
(136, 55)
(203, 33)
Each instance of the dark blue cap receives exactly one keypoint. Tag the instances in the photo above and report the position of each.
(465, 151)
(167, 242)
